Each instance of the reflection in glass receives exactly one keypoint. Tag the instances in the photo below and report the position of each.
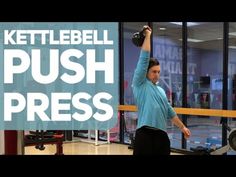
(204, 90)
(167, 48)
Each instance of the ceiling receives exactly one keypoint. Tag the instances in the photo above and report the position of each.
(210, 34)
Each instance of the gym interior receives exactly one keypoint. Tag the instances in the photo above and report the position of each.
(198, 74)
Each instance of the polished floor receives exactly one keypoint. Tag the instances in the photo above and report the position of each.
(83, 148)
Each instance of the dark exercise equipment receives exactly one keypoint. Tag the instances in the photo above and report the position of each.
(220, 151)
(231, 143)
(40, 138)
(138, 38)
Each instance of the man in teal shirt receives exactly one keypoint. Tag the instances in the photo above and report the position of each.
(153, 106)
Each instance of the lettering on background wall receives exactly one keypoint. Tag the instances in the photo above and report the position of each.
(170, 58)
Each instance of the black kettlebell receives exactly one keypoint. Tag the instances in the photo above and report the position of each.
(139, 37)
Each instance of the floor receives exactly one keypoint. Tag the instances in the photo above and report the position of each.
(83, 148)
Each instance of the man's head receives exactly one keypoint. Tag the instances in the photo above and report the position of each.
(153, 73)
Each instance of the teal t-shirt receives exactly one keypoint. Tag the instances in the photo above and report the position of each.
(153, 106)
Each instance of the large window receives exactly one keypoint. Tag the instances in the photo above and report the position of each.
(131, 54)
(232, 67)
(167, 48)
(204, 76)
(232, 75)
(205, 81)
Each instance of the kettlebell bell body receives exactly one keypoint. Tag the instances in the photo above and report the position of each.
(138, 38)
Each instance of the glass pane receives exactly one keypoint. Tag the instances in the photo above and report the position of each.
(232, 75)
(114, 132)
(131, 54)
(205, 80)
(167, 48)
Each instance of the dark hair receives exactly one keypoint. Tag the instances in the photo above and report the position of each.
(153, 62)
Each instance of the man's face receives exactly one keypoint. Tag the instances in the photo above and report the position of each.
(154, 74)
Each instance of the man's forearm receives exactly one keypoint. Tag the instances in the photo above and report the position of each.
(147, 42)
(178, 122)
